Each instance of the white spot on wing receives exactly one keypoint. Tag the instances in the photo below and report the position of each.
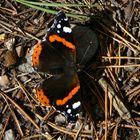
(76, 105)
(66, 19)
(58, 26)
(67, 29)
(58, 31)
(69, 111)
(77, 115)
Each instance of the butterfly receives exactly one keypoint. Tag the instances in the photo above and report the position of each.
(56, 54)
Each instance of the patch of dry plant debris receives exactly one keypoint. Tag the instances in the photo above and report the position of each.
(110, 81)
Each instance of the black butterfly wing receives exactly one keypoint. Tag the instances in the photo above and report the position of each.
(57, 49)
(61, 91)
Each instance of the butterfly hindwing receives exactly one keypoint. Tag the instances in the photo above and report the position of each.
(61, 91)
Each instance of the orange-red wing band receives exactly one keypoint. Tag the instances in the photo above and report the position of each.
(41, 97)
(36, 54)
(63, 101)
(53, 38)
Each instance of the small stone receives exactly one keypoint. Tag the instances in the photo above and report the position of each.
(60, 119)
(2, 37)
(36, 21)
(26, 65)
(20, 51)
(1, 127)
(4, 81)
(10, 44)
(1, 51)
(9, 135)
(24, 78)
(10, 58)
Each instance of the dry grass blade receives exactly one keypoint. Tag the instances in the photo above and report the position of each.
(110, 74)
(127, 33)
(5, 27)
(61, 129)
(117, 103)
(133, 93)
(47, 136)
(121, 38)
(137, 88)
(17, 87)
(71, 133)
(106, 113)
(120, 57)
(25, 91)
(115, 130)
(115, 39)
(119, 66)
(14, 116)
(23, 34)
(3, 130)
(78, 132)
(21, 110)
(130, 126)
(131, 75)
(44, 118)
(7, 10)
(97, 92)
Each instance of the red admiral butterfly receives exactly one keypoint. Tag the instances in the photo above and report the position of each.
(56, 54)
